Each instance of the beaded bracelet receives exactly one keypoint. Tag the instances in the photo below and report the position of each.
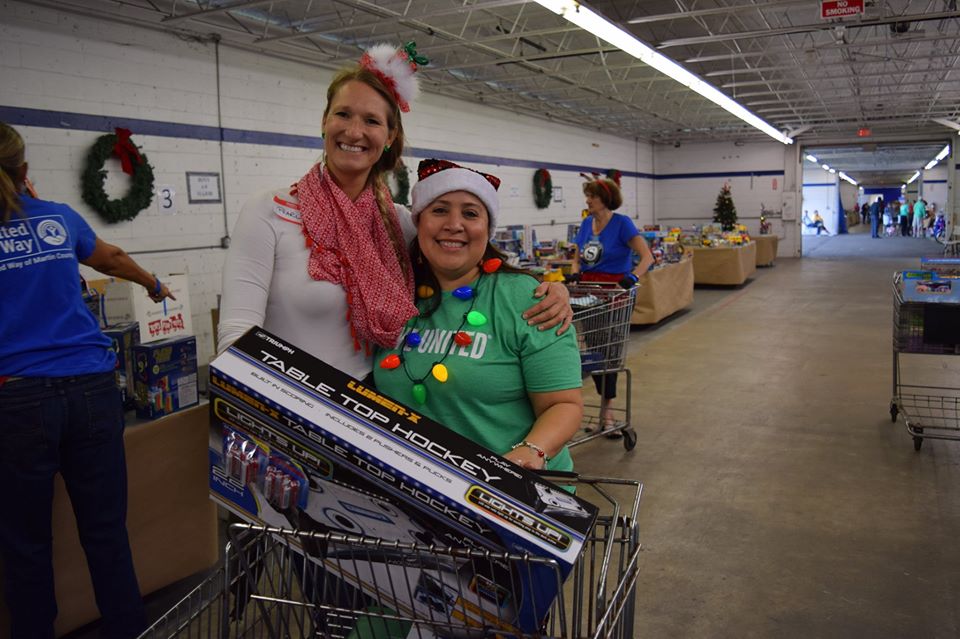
(157, 286)
(539, 451)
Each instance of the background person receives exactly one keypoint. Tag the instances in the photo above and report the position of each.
(60, 408)
(506, 385)
(904, 218)
(818, 223)
(605, 245)
(919, 213)
(876, 210)
(349, 287)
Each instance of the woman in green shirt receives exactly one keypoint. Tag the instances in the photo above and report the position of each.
(466, 361)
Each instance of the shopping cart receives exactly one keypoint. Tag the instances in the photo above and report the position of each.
(601, 314)
(265, 587)
(930, 410)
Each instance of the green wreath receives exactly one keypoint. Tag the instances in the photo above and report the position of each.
(542, 188)
(402, 175)
(141, 182)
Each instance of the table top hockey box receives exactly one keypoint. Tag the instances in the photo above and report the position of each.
(296, 443)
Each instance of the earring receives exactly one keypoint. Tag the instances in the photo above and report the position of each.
(386, 147)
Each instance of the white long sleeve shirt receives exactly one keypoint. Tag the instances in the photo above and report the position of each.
(265, 283)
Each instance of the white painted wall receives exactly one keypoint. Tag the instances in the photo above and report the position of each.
(690, 200)
(935, 186)
(62, 62)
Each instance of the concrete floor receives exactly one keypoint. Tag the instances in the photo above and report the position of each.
(779, 499)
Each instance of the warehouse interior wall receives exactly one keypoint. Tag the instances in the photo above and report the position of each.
(68, 80)
(689, 177)
(935, 184)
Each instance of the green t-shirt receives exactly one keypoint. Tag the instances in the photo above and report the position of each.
(485, 396)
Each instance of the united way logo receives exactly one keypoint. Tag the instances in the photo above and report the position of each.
(52, 232)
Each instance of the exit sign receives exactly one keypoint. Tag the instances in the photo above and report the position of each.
(840, 8)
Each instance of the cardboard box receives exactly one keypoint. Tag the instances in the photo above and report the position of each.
(297, 443)
(122, 339)
(166, 376)
(941, 265)
(125, 301)
(929, 287)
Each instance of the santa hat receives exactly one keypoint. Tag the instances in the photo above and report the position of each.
(396, 69)
(437, 177)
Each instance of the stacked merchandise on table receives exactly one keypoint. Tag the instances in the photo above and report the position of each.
(156, 350)
(664, 245)
(714, 236)
(295, 443)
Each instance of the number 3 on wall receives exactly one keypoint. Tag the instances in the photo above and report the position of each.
(166, 200)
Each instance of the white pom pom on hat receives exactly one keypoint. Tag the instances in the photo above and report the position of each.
(397, 69)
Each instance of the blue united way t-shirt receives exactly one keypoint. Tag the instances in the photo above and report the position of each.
(45, 328)
(609, 251)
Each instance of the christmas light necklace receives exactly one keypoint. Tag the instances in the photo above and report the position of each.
(437, 369)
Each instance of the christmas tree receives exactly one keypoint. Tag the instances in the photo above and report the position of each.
(725, 213)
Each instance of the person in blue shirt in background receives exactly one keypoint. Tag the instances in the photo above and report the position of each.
(605, 245)
(60, 408)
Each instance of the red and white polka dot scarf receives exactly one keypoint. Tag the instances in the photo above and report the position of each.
(351, 246)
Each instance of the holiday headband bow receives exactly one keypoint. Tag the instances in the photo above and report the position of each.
(436, 177)
(597, 179)
(396, 69)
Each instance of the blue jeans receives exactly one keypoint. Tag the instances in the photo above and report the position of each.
(874, 226)
(74, 426)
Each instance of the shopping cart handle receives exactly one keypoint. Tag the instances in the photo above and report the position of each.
(557, 475)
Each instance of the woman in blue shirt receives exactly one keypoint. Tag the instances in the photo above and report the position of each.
(606, 243)
(60, 408)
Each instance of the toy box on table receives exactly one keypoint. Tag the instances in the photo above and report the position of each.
(166, 376)
(125, 301)
(123, 337)
(295, 440)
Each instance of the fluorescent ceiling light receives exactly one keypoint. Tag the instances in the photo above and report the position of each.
(606, 30)
(943, 153)
(833, 170)
(813, 159)
(912, 179)
(825, 167)
(929, 165)
(844, 176)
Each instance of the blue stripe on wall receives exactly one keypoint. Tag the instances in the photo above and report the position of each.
(937, 181)
(687, 176)
(820, 184)
(84, 122)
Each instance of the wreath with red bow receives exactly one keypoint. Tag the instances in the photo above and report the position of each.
(542, 188)
(133, 164)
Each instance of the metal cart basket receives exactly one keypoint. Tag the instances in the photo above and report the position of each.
(601, 314)
(930, 410)
(266, 588)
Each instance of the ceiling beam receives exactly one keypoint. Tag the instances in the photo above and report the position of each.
(203, 13)
(697, 13)
(492, 4)
(804, 28)
(947, 123)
